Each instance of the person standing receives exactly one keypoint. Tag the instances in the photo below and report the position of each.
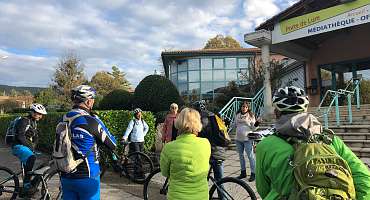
(136, 130)
(169, 131)
(245, 123)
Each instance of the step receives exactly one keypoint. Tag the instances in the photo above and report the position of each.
(351, 128)
(354, 106)
(354, 136)
(361, 152)
(357, 143)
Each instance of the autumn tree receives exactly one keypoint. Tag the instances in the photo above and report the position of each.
(47, 97)
(69, 74)
(221, 42)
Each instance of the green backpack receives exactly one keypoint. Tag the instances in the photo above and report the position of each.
(319, 172)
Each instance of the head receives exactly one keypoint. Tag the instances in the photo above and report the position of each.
(83, 96)
(199, 105)
(138, 113)
(174, 108)
(289, 100)
(245, 107)
(37, 111)
(188, 121)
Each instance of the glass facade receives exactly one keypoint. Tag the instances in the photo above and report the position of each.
(202, 77)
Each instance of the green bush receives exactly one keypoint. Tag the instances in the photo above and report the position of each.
(116, 121)
(156, 93)
(117, 100)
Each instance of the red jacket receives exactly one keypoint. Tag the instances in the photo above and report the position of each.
(167, 127)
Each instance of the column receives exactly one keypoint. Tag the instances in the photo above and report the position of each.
(268, 109)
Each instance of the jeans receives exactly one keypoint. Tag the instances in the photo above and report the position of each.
(218, 169)
(246, 146)
(81, 189)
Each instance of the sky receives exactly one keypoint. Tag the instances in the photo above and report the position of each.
(130, 34)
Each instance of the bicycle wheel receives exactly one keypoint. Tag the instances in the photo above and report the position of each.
(138, 166)
(9, 184)
(155, 186)
(231, 188)
(54, 186)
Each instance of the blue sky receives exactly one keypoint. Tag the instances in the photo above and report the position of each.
(128, 33)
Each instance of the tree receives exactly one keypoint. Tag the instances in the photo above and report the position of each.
(13, 93)
(47, 97)
(8, 105)
(118, 99)
(26, 93)
(221, 42)
(69, 74)
(155, 93)
(120, 78)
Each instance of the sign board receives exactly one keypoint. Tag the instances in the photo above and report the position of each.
(326, 20)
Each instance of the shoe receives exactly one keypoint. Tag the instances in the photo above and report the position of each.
(243, 174)
(252, 177)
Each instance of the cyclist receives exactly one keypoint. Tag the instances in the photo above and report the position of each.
(88, 133)
(217, 152)
(25, 141)
(186, 160)
(274, 175)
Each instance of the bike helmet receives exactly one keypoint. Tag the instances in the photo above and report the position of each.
(290, 99)
(137, 110)
(82, 93)
(199, 105)
(36, 107)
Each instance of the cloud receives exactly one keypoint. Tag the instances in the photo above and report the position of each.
(127, 33)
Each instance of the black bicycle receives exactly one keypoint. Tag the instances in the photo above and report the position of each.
(156, 188)
(136, 166)
(48, 185)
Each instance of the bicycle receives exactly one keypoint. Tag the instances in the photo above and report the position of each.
(135, 166)
(156, 187)
(10, 186)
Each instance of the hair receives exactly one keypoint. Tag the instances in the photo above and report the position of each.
(174, 105)
(188, 121)
(249, 108)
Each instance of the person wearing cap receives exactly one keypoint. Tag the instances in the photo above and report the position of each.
(88, 134)
(136, 131)
(24, 143)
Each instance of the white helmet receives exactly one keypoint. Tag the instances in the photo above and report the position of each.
(36, 107)
(290, 99)
(82, 93)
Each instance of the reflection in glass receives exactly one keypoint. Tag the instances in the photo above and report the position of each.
(173, 67)
(194, 76)
(193, 64)
(206, 75)
(243, 63)
(174, 78)
(183, 77)
(206, 88)
(231, 75)
(182, 65)
(183, 89)
(206, 63)
(230, 63)
(218, 75)
(218, 63)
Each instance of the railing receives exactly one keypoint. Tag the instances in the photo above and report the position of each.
(229, 111)
(335, 100)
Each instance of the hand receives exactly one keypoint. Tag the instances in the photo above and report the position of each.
(259, 119)
(124, 141)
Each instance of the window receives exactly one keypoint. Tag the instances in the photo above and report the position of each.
(174, 78)
(206, 75)
(243, 63)
(183, 77)
(183, 89)
(206, 88)
(193, 64)
(206, 63)
(218, 85)
(218, 63)
(230, 63)
(194, 88)
(173, 67)
(231, 75)
(182, 65)
(194, 76)
(218, 75)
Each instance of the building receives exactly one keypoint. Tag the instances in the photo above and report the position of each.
(200, 74)
(331, 39)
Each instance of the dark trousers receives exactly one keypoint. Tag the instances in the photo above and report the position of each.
(134, 147)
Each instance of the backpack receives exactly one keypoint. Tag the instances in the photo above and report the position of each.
(62, 150)
(11, 132)
(319, 172)
(219, 136)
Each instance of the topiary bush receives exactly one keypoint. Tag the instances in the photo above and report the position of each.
(156, 93)
(116, 121)
(117, 100)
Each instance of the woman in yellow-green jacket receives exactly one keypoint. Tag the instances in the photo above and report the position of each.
(186, 160)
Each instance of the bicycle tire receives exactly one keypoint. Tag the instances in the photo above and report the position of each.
(54, 185)
(153, 186)
(243, 192)
(12, 187)
(137, 167)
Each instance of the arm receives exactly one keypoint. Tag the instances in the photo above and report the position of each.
(21, 128)
(97, 128)
(262, 181)
(360, 173)
(146, 127)
(129, 129)
(165, 162)
(164, 130)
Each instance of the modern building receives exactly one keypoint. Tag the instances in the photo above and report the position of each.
(331, 39)
(200, 74)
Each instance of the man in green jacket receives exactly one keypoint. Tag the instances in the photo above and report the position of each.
(274, 175)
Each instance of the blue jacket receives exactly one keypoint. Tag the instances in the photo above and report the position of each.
(88, 132)
(137, 131)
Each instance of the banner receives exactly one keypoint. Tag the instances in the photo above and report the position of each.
(329, 19)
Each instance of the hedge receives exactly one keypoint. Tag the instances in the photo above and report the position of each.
(116, 121)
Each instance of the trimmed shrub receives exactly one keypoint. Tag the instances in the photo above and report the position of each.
(117, 100)
(156, 93)
(116, 121)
